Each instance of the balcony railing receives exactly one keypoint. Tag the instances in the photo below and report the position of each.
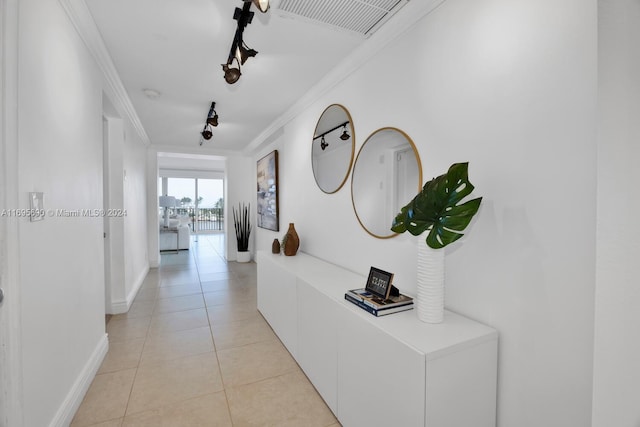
(208, 219)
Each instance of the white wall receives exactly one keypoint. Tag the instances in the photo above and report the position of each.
(10, 319)
(61, 259)
(134, 182)
(60, 110)
(617, 348)
(153, 223)
(509, 86)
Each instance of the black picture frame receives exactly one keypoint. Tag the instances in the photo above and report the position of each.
(267, 183)
(379, 282)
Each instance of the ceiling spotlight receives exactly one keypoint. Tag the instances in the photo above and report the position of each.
(231, 75)
(212, 117)
(262, 5)
(206, 132)
(345, 135)
(244, 52)
(323, 144)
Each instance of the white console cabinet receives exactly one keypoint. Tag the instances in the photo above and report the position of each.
(378, 371)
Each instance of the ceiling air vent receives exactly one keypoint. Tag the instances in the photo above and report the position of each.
(359, 16)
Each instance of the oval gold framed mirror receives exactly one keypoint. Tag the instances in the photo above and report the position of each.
(333, 148)
(387, 174)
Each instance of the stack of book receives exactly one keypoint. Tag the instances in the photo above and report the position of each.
(376, 305)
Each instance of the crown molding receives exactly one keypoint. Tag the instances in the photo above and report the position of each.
(82, 20)
(396, 26)
(198, 150)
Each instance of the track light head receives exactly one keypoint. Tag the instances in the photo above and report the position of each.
(262, 5)
(244, 52)
(323, 144)
(207, 134)
(345, 135)
(212, 117)
(231, 75)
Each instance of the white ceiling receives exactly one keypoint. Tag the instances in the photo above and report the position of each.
(177, 48)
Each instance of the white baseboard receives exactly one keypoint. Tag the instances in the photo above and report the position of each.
(72, 402)
(123, 306)
(154, 258)
(119, 307)
(137, 285)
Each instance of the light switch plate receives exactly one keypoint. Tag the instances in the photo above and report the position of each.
(36, 201)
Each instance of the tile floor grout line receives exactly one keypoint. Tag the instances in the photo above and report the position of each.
(197, 261)
(135, 376)
(153, 315)
(215, 349)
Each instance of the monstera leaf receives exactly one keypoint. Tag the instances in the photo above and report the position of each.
(436, 208)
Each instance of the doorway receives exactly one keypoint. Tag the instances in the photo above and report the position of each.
(201, 199)
(406, 174)
(113, 198)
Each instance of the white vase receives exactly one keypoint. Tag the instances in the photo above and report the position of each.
(244, 256)
(430, 299)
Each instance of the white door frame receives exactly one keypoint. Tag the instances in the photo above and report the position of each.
(105, 220)
(113, 139)
(10, 322)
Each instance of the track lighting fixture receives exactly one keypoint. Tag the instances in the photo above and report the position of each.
(239, 49)
(345, 135)
(210, 123)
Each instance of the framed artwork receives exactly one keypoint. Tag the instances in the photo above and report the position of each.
(379, 283)
(267, 168)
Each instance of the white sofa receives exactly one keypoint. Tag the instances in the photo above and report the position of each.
(168, 238)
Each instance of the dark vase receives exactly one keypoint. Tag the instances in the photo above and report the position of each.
(292, 241)
(275, 246)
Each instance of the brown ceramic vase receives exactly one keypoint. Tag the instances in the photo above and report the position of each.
(292, 241)
(275, 246)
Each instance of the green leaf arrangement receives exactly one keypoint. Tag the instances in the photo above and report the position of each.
(436, 208)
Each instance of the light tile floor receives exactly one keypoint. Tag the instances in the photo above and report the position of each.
(194, 351)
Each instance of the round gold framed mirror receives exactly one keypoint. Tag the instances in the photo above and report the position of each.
(333, 148)
(387, 174)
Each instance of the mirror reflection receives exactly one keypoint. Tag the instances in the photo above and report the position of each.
(387, 174)
(333, 148)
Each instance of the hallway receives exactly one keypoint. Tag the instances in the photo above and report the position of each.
(194, 351)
